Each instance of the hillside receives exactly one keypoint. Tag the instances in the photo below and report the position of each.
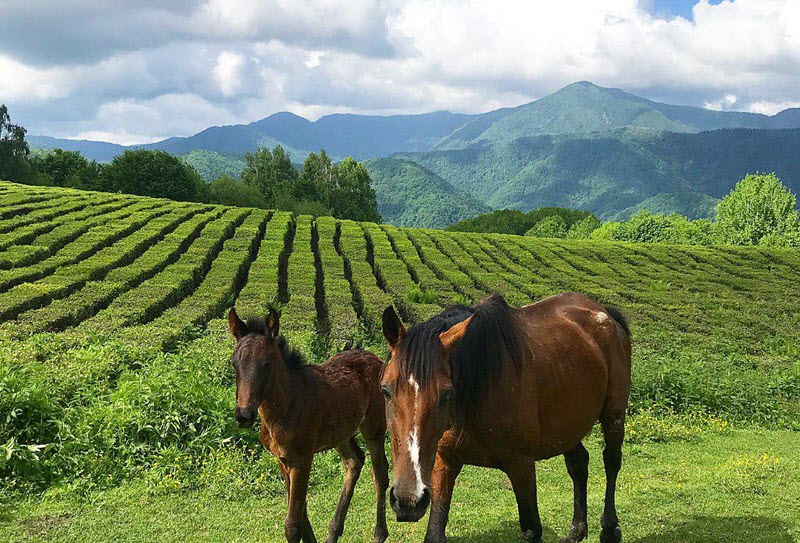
(583, 107)
(115, 363)
(410, 195)
(609, 172)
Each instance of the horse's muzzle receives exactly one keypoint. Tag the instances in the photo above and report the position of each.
(410, 510)
(245, 417)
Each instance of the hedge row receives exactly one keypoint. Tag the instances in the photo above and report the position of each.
(172, 284)
(213, 295)
(16, 204)
(26, 233)
(394, 275)
(299, 315)
(444, 267)
(484, 271)
(96, 295)
(51, 209)
(369, 296)
(419, 271)
(261, 288)
(127, 239)
(341, 315)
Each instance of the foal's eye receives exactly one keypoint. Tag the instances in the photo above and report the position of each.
(386, 392)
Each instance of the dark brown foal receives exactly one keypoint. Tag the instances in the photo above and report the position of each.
(306, 409)
(502, 387)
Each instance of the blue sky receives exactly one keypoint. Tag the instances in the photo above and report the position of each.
(137, 71)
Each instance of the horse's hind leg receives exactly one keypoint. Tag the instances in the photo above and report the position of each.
(353, 460)
(521, 472)
(380, 476)
(613, 423)
(577, 460)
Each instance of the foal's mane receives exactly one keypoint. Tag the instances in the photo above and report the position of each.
(490, 343)
(292, 357)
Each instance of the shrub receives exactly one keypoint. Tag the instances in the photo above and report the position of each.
(419, 295)
(549, 227)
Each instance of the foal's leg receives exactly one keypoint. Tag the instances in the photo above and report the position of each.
(380, 476)
(521, 472)
(577, 460)
(307, 532)
(297, 526)
(613, 424)
(353, 460)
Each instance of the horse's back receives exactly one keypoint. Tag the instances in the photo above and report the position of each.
(579, 357)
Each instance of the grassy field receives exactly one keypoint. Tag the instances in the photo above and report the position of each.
(116, 391)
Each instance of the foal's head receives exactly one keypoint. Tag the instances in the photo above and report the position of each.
(419, 392)
(257, 352)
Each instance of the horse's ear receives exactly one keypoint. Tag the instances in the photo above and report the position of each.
(451, 337)
(237, 327)
(273, 322)
(393, 329)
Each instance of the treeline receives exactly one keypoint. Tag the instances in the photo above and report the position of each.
(555, 222)
(269, 179)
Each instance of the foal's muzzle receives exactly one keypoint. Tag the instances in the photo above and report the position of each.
(245, 416)
(411, 508)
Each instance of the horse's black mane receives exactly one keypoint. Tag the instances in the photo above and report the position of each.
(490, 343)
(292, 357)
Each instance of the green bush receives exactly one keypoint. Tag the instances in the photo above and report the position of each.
(549, 227)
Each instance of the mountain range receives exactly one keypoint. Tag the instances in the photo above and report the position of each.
(599, 149)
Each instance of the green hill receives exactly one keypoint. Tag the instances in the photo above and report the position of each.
(410, 195)
(609, 172)
(583, 107)
(117, 388)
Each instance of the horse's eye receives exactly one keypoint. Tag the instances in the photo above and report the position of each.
(387, 393)
(234, 363)
(446, 396)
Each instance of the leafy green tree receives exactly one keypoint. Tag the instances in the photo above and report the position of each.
(271, 172)
(644, 227)
(316, 177)
(553, 226)
(228, 191)
(14, 149)
(65, 169)
(152, 173)
(351, 195)
(512, 221)
(583, 228)
(758, 206)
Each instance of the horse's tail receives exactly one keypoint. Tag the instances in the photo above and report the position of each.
(618, 316)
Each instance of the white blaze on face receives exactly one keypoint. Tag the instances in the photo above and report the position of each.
(413, 440)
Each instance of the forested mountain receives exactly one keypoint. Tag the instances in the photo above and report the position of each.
(584, 107)
(411, 195)
(616, 171)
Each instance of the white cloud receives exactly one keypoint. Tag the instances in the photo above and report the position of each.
(771, 108)
(223, 61)
(227, 72)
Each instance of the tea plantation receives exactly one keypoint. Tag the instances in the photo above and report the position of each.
(116, 392)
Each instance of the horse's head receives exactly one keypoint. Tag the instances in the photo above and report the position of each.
(254, 358)
(419, 394)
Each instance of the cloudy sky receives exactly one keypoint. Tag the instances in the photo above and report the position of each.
(139, 71)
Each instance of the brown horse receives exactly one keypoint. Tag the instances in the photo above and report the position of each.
(306, 409)
(500, 387)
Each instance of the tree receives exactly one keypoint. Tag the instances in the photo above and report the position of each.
(553, 226)
(758, 206)
(228, 191)
(271, 172)
(151, 173)
(316, 177)
(14, 149)
(583, 228)
(351, 195)
(65, 169)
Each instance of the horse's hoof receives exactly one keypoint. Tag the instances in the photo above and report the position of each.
(380, 537)
(611, 536)
(531, 537)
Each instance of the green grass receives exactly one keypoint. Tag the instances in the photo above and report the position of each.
(116, 389)
(731, 488)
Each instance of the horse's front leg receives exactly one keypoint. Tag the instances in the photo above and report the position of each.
(521, 472)
(443, 480)
(297, 526)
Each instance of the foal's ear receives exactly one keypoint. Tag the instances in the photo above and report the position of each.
(236, 325)
(393, 329)
(452, 337)
(273, 322)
